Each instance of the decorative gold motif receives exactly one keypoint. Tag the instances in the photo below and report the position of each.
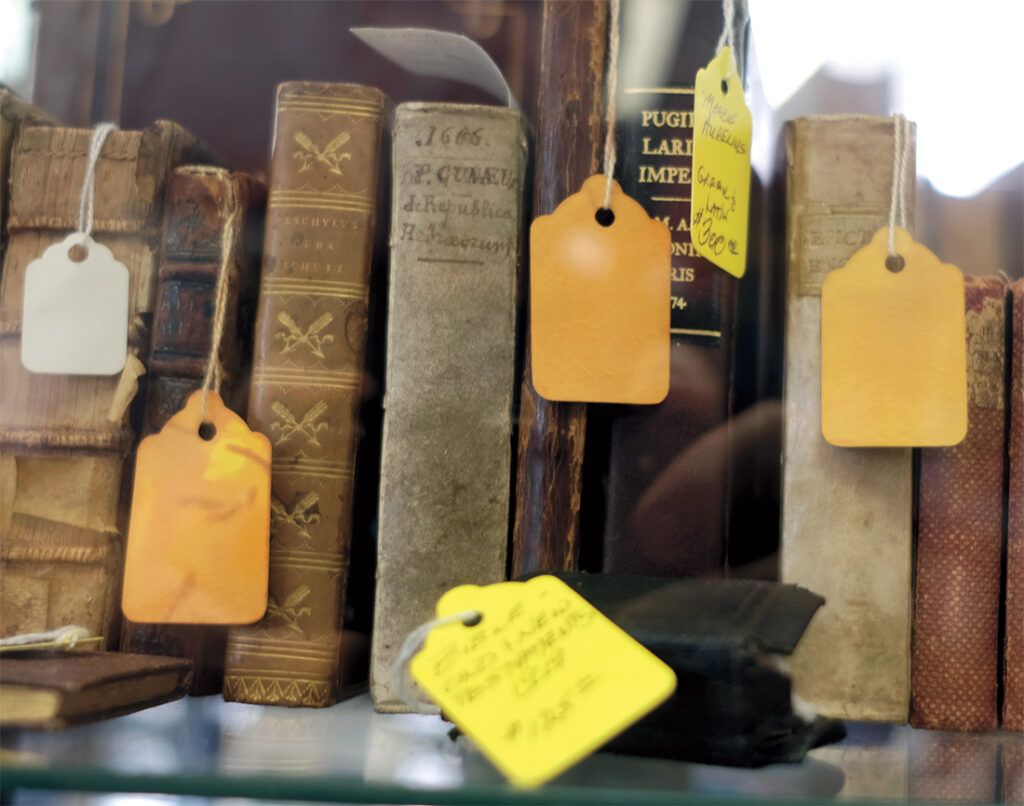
(303, 513)
(331, 156)
(279, 691)
(289, 611)
(290, 425)
(294, 335)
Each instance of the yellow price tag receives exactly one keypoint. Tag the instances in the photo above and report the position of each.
(720, 199)
(542, 680)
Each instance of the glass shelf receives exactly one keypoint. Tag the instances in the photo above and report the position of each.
(206, 747)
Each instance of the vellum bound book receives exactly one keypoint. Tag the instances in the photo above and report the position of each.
(64, 438)
(847, 514)
(447, 451)
(307, 383)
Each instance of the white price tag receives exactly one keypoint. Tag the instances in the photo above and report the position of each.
(75, 319)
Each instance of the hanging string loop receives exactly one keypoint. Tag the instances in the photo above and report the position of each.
(87, 201)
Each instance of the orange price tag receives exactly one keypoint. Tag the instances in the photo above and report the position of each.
(199, 536)
(893, 349)
(600, 288)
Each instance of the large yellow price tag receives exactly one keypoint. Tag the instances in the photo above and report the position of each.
(542, 680)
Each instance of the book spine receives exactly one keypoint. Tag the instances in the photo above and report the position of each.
(1013, 651)
(847, 515)
(660, 519)
(446, 451)
(200, 202)
(14, 113)
(549, 470)
(64, 439)
(307, 381)
(959, 539)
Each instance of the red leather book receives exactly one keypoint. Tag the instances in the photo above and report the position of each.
(1013, 654)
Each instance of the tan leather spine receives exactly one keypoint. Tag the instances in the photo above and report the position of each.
(307, 381)
(64, 439)
(846, 514)
(447, 451)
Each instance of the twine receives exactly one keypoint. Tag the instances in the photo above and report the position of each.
(411, 645)
(609, 115)
(87, 201)
(898, 201)
(61, 638)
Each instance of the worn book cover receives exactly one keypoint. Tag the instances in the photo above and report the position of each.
(959, 553)
(15, 112)
(200, 202)
(846, 514)
(1013, 653)
(47, 691)
(307, 383)
(447, 445)
(63, 438)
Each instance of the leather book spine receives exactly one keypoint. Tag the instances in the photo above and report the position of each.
(200, 202)
(14, 113)
(668, 492)
(447, 444)
(1013, 649)
(64, 439)
(847, 515)
(549, 470)
(307, 383)
(955, 672)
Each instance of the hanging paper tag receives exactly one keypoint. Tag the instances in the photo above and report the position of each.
(199, 536)
(542, 680)
(598, 291)
(893, 349)
(720, 192)
(75, 319)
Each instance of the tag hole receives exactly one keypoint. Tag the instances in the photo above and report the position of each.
(895, 263)
(474, 620)
(725, 87)
(78, 253)
(605, 217)
(207, 431)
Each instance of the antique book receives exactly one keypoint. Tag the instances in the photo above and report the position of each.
(53, 690)
(64, 439)
(1013, 650)
(549, 470)
(958, 562)
(200, 202)
(446, 456)
(14, 113)
(306, 383)
(846, 514)
(668, 468)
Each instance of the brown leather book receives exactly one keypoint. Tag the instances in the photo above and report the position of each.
(14, 113)
(200, 202)
(1013, 652)
(668, 469)
(48, 691)
(307, 381)
(955, 673)
(64, 439)
(446, 463)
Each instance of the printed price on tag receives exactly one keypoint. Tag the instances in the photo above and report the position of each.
(541, 680)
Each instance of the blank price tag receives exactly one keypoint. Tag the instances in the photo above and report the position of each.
(542, 680)
(75, 319)
(721, 165)
(600, 288)
(893, 349)
(199, 536)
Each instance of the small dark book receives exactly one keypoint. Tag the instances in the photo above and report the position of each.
(48, 691)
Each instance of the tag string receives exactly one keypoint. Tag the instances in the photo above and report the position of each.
(61, 638)
(411, 645)
(87, 201)
(609, 107)
(727, 37)
(212, 378)
(900, 157)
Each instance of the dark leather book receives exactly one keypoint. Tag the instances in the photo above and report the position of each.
(727, 641)
(64, 439)
(48, 691)
(1013, 650)
(955, 651)
(200, 202)
(668, 495)
(549, 470)
(307, 383)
